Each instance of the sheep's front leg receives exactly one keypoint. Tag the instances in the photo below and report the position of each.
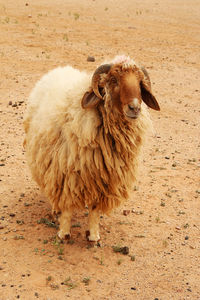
(65, 224)
(93, 233)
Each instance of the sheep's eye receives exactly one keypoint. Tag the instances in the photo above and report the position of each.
(113, 80)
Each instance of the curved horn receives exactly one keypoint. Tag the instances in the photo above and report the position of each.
(146, 75)
(96, 77)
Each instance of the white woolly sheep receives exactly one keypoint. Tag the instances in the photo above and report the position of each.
(83, 137)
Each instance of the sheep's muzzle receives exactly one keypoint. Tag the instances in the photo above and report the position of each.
(132, 109)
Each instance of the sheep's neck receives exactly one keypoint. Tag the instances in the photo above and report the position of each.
(124, 136)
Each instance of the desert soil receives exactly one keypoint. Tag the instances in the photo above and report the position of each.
(161, 222)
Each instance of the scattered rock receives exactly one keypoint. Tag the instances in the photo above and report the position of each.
(126, 212)
(12, 215)
(123, 250)
(91, 58)
(132, 27)
(178, 228)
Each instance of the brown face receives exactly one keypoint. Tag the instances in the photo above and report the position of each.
(124, 88)
(127, 87)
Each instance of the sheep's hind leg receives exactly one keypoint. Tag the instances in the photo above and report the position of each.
(65, 224)
(93, 233)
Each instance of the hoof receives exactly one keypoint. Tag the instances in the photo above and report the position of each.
(91, 238)
(87, 234)
(63, 236)
(67, 237)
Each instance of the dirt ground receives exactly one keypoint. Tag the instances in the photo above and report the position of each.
(162, 228)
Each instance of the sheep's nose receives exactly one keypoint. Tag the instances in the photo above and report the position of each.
(134, 105)
(136, 109)
(132, 109)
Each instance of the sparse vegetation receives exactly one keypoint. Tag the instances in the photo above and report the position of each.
(76, 16)
(122, 250)
(47, 222)
(65, 37)
(86, 280)
(69, 283)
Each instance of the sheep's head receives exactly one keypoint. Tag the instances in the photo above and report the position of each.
(126, 84)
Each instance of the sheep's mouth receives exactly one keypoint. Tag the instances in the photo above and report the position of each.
(131, 112)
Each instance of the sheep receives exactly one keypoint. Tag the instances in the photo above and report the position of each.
(83, 137)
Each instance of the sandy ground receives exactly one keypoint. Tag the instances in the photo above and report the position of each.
(162, 230)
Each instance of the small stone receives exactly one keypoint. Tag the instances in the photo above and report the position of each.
(12, 215)
(14, 105)
(178, 228)
(133, 288)
(10, 103)
(186, 237)
(126, 212)
(91, 58)
(125, 250)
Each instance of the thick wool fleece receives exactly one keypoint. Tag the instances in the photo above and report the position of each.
(80, 157)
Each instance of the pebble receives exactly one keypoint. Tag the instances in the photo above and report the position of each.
(12, 215)
(186, 237)
(91, 58)
(125, 250)
(126, 212)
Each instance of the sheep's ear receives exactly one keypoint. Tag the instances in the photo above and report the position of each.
(147, 96)
(90, 100)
